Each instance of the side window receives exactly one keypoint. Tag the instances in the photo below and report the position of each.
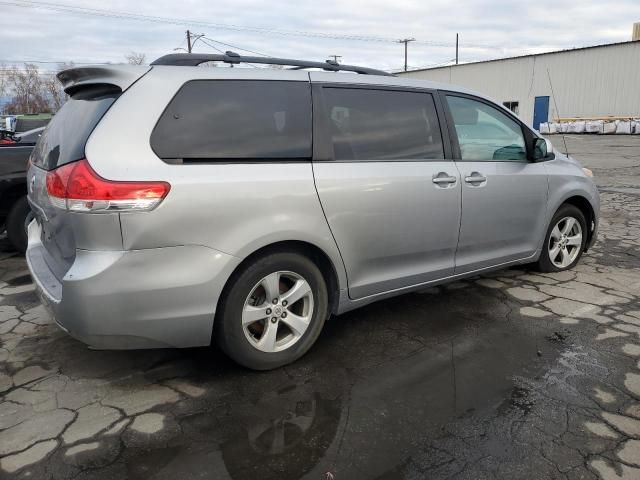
(485, 133)
(236, 119)
(382, 124)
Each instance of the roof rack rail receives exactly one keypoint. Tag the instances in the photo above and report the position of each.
(195, 59)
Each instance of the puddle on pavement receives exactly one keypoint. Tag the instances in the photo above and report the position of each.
(379, 384)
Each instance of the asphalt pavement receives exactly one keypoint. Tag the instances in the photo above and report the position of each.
(512, 375)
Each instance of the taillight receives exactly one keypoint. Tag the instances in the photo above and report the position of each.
(77, 187)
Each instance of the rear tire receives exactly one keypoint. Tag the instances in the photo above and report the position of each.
(565, 240)
(256, 326)
(16, 228)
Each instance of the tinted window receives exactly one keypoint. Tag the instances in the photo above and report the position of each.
(382, 124)
(236, 119)
(64, 139)
(485, 133)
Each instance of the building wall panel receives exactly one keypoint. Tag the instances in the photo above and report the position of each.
(588, 82)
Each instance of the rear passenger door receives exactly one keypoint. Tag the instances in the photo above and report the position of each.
(390, 195)
(504, 195)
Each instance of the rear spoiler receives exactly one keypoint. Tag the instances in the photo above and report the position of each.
(122, 76)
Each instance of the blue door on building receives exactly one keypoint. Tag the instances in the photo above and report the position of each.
(540, 111)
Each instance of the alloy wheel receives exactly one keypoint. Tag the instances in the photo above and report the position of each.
(565, 242)
(277, 311)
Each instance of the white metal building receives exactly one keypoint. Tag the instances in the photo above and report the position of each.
(588, 82)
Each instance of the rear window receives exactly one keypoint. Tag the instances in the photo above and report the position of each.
(382, 124)
(65, 137)
(236, 119)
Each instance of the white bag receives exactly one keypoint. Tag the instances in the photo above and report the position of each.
(623, 127)
(636, 126)
(564, 127)
(544, 127)
(594, 126)
(609, 128)
(579, 127)
(553, 127)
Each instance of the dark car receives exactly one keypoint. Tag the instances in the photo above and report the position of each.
(14, 206)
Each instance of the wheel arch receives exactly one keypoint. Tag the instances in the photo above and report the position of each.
(584, 205)
(307, 249)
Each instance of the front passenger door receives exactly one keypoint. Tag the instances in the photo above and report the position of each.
(504, 195)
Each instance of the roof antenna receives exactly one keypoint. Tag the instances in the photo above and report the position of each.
(555, 104)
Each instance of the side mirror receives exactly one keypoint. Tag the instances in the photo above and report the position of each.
(542, 149)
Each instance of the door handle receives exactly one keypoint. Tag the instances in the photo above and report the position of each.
(475, 177)
(443, 179)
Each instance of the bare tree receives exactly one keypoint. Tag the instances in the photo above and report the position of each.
(53, 88)
(3, 79)
(3, 86)
(26, 87)
(135, 58)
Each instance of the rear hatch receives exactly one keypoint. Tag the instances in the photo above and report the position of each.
(63, 143)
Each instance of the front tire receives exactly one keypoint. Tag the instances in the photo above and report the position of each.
(565, 240)
(272, 311)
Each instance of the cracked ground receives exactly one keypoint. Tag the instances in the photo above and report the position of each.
(511, 375)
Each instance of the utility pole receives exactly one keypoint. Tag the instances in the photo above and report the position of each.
(335, 58)
(456, 49)
(191, 41)
(406, 41)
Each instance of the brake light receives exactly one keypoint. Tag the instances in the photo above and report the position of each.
(77, 187)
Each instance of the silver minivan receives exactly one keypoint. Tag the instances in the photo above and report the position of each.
(175, 204)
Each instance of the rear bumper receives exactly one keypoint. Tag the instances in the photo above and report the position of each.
(162, 297)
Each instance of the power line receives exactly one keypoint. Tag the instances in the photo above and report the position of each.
(59, 7)
(212, 46)
(423, 67)
(198, 37)
(237, 48)
(216, 48)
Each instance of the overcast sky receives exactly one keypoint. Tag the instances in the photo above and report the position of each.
(487, 28)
